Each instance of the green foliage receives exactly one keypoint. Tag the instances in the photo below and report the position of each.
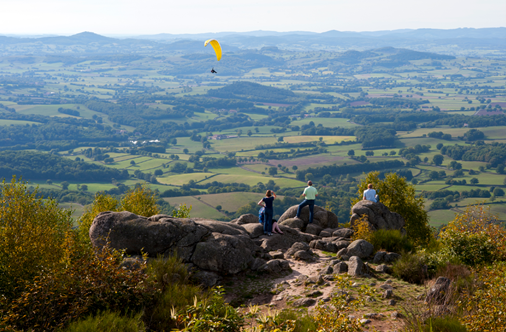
(399, 196)
(443, 324)
(391, 240)
(88, 282)
(484, 308)
(411, 268)
(468, 248)
(108, 322)
(141, 201)
(182, 212)
(211, 314)
(175, 292)
(33, 234)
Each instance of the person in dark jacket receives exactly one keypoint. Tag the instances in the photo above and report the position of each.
(267, 202)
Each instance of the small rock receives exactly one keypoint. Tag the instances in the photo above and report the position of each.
(327, 270)
(340, 267)
(304, 302)
(385, 286)
(355, 266)
(396, 315)
(315, 293)
(388, 281)
(276, 254)
(304, 255)
(365, 321)
(316, 280)
(388, 294)
(326, 299)
(383, 269)
(279, 298)
(372, 284)
(392, 302)
(360, 248)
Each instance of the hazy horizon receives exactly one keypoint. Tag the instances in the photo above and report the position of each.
(129, 18)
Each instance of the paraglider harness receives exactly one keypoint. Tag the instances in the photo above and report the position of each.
(261, 215)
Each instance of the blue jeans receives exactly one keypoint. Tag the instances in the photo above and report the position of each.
(268, 220)
(310, 203)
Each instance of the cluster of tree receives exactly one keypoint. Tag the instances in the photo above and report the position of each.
(42, 166)
(375, 137)
(270, 154)
(494, 153)
(335, 170)
(414, 150)
(440, 135)
(69, 111)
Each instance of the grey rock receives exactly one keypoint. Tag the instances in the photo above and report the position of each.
(378, 216)
(221, 227)
(322, 217)
(383, 269)
(396, 315)
(275, 266)
(224, 253)
(156, 235)
(206, 278)
(365, 321)
(132, 263)
(360, 248)
(318, 279)
(276, 254)
(254, 230)
(297, 246)
(387, 294)
(315, 293)
(438, 294)
(257, 263)
(293, 223)
(340, 267)
(313, 229)
(246, 219)
(386, 287)
(304, 255)
(327, 232)
(286, 240)
(355, 266)
(340, 244)
(304, 302)
(327, 270)
(392, 302)
(324, 245)
(385, 257)
(343, 253)
(343, 232)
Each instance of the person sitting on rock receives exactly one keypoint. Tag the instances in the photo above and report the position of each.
(269, 210)
(275, 227)
(309, 194)
(370, 194)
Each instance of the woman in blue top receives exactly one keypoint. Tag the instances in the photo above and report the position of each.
(269, 211)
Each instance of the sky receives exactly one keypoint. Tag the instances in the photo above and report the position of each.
(141, 17)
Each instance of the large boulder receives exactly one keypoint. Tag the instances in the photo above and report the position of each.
(293, 223)
(210, 245)
(159, 234)
(254, 230)
(246, 219)
(360, 248)
(377, 215)
(322, 217)
(224, 253)
(285, 240)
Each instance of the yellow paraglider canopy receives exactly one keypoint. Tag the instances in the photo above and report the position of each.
(216, 46)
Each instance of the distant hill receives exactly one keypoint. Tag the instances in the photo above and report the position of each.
(465, 41)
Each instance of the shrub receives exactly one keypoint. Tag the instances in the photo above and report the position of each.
(399, 196)
(443, 324)
(474, 225)
(391, 240)
(485, 308)
(33, 234)
(172, 279)
(362, 229)
(182, 212)
(108, 322)
(469, 248)
(411, 268)
(88, 283)
(141, 201)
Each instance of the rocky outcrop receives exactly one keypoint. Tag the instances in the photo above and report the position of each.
(321, 218)
(246, 219)
(286, 240)
(378, 216)
(359, 248)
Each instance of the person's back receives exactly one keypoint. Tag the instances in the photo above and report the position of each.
(370, 194)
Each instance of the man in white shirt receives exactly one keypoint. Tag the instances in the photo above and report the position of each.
(370, 194)
(309, 194)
